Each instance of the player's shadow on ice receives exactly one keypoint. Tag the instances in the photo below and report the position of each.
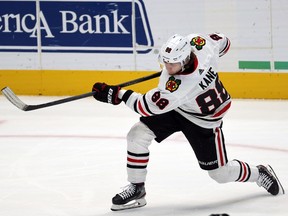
(190, 208)
(225, 203)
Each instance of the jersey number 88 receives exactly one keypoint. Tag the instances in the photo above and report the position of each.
(213, 98)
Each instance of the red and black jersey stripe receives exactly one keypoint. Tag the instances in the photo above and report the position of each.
(141, 107)
(225, 49)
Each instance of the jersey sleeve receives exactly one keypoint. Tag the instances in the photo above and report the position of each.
(223, 42)
(154, 102)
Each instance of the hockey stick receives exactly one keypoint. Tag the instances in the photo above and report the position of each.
(9, 94)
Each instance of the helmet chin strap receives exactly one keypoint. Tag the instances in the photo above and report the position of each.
(182, 68)
(184, 63)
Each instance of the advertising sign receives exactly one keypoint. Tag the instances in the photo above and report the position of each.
(75, 26)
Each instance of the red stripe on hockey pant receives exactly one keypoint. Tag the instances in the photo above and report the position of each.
(141, 109)
(244, 172)
(223, 110)
(219, 143)
(137, 160)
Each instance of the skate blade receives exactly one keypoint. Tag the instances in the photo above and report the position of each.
(130, 205)
(281, 189)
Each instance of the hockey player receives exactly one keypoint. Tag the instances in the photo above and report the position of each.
(189, 98)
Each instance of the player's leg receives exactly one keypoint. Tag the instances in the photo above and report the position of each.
(139, 139)
(234, 171)
(239, 171)
(210, 150)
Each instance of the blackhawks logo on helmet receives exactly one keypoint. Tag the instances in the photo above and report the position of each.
(172, 84)
(198, 42)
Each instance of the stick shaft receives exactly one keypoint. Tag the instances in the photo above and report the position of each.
(10, 95)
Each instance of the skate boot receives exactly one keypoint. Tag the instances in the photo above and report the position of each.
(132, 196)
(268, 179)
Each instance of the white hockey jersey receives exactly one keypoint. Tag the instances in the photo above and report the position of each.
(197, 95)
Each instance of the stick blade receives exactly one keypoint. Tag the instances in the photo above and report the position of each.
(9, 94)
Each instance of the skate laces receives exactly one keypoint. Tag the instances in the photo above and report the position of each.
(128, 191)
(265, 181)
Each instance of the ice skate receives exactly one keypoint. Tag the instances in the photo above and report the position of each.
(133, 196)
(268, 180)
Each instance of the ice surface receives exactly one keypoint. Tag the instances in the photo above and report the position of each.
(70, 159)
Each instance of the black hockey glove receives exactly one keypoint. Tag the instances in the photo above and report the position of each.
(106, 93)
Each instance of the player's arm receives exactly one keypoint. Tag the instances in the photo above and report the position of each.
(223, 42)
(154, 102)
